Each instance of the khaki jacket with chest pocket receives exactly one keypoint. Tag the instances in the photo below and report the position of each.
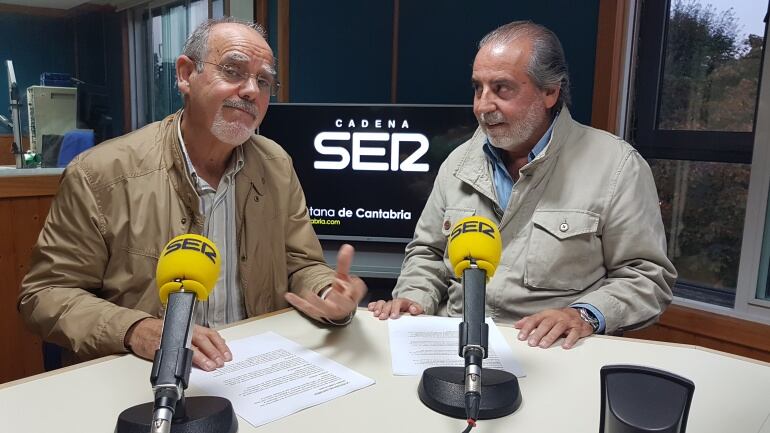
(583, 225)
(92, 272)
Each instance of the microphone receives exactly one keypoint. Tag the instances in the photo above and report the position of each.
(474, 249)
(474, 252)
(188, 269)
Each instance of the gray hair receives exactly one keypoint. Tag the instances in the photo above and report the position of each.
(547, 66)
(197, 45)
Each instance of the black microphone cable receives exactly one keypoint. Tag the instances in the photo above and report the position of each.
(471, 424)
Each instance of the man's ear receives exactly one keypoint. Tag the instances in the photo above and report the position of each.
(185, 68)
(550, 96)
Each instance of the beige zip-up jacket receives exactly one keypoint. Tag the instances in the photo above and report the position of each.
(583, 225)
(92, 272)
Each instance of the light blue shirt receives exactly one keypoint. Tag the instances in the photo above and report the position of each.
(503, 183)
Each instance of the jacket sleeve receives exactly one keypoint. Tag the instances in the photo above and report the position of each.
(305, 262)
(639, 275)
(59, 296)
(424, 276)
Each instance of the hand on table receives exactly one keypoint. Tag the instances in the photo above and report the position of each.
(393, 309)
(544, 328)
(210, 350)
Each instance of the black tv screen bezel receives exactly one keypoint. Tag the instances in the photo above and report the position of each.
(358, 237)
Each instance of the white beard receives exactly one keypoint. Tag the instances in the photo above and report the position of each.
(517, 132)
(232, 133)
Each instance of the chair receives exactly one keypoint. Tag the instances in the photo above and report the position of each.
(638, 399)
(74, 142)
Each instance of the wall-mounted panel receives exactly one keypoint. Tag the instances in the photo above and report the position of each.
(340, 51)
(438, 39)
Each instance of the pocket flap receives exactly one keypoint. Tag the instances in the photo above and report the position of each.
(565, 223)
(452, 215)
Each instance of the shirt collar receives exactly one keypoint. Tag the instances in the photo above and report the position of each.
(232, 169)
(495, 154)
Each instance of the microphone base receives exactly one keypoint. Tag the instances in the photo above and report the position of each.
(442, 389)
(203, 415)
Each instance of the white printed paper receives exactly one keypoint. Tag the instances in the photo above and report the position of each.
(420, 342)
(271, 377)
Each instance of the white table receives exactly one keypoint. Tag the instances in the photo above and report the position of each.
(560, 393)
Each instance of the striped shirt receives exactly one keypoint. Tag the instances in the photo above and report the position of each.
(217, 205)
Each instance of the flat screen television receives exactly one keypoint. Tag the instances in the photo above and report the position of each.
(367, 170)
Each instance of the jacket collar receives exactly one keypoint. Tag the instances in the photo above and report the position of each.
(177, 172)
(474, 167)
(180, 177)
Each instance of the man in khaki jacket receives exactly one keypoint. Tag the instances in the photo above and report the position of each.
(583, 241)
(91, 288)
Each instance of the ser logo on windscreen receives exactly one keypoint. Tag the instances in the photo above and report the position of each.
(371, 151)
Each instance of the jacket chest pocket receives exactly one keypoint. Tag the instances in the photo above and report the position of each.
(564, 251)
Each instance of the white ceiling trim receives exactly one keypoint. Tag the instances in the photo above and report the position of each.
(65, 4)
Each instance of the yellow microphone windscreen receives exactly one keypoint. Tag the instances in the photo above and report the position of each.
(477, 238)
(190, 261)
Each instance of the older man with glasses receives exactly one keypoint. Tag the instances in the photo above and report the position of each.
(91, 288)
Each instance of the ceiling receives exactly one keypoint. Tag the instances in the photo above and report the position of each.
(59, 4)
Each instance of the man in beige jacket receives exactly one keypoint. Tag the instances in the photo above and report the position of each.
(91, 288)
(583, 241)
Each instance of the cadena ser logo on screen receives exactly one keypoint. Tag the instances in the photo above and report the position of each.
(371, 150)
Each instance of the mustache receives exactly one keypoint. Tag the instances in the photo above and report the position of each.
(240, 104)
(492, 118)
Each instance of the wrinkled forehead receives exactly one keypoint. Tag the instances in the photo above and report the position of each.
(239, 44)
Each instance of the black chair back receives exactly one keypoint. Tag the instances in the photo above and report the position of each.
(638, 399)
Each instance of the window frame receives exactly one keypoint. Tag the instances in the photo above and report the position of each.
(746, 299)
(654, 143)
(139, 36)
(752, 148)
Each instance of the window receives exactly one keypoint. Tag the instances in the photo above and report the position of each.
(711, 70)
(157, 38)
(703, 205)
(757, 237)
(217, 8)
(763, 282)
(697, 79)
(694, 118)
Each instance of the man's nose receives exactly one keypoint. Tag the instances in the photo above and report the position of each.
(248, 89)
(485, 102)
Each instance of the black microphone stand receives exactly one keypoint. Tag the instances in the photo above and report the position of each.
(171, 411)
(459, 392)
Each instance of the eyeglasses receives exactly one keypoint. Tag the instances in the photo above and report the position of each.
(234, 75)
